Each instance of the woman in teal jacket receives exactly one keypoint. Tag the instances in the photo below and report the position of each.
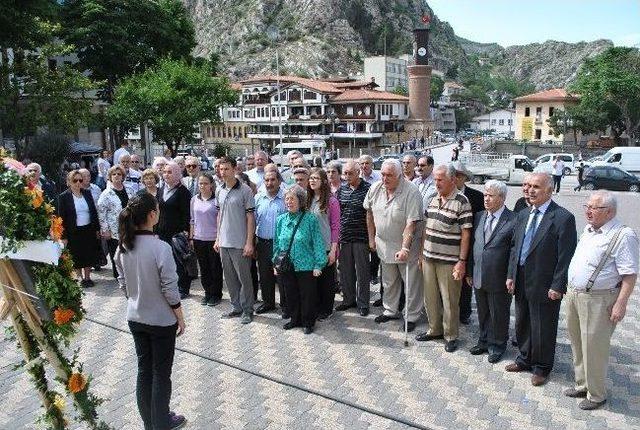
(307, 255)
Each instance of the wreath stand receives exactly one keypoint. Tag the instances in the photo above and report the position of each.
(27, 312)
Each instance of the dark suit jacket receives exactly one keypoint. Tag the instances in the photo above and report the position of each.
(476, 198)
(174, 213)
(549, 256)
(489, 262)
(521, 203)
(67, 211)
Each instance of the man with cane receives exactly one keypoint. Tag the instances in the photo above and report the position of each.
(394, 214)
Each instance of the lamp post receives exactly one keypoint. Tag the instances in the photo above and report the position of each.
(274, 35)
(332, 117)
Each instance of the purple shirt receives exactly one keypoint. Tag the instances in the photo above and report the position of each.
(204, 218)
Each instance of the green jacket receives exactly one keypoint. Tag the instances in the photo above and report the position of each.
(308, 251)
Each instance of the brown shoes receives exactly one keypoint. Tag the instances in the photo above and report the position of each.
(514, 367)
(537, 380)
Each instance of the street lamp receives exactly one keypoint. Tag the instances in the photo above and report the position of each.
(332, 117)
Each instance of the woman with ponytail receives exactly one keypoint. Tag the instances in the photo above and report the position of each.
(147, 274)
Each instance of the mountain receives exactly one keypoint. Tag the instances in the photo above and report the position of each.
(319, 38)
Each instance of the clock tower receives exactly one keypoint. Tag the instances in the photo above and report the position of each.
(420, 124)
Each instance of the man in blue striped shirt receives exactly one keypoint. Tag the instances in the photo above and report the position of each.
(269, 204)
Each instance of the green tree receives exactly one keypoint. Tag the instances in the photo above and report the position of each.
(116, 38)
(610, 82)
(452, 72)
(463, 118)
(400, 90)
(437, 87)
(575, 119)
(26, 24)
(173, 97)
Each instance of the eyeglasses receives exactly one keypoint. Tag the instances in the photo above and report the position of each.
(593, 208)
(191, 166)
(77, 181)
(423, 165)
(406, 162)
(314, 178)
(116, 174)
(135, 162)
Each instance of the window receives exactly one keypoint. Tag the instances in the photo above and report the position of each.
(538, 134)
(509, 122)
(283, 111)
(309, 95)
(493, 122)
(501, 122)
(550, 110)
(527, 111)
(539, 111)
(616, 174)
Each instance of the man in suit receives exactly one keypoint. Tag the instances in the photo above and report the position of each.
(476, 199)
(543, 244)
(488, 265)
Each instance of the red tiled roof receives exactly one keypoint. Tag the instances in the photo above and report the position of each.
(356, 84)
(364, 95)
(236, 86)
(553, 95)
(321, 86)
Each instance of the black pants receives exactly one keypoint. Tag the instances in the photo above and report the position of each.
(374, 265)
(264, 252)
(155, 347)
(493, 318)
(113, 246)
(536, 330)
(556, 182)
(465, 300)
(210, 269)
(254, 279)
(302, 297)
(327, 289)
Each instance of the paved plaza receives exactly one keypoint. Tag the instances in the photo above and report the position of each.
(351, 373)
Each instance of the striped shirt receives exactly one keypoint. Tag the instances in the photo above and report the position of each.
(353, 217)
(443, 227)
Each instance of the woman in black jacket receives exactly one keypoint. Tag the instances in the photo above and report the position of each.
(81, 226)
(174, 202)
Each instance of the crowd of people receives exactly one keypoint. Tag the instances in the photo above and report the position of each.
(429, 240)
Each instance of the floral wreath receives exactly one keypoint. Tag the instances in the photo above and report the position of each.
(25, 215)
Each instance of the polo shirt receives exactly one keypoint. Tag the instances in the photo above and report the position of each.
(443, 227)
(353, 216)
(233, 206)
(391, 215)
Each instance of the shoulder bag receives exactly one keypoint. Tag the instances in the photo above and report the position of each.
(603, 260)
(282, 263)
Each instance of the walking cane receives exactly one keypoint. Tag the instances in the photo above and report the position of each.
(406, 305)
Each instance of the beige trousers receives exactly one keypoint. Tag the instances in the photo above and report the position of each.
(441, 299)
(590, 333)
(393, 278)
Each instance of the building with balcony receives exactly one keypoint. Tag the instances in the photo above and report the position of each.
(388, 72)
(345, 113)
(444, 117)
(500, 121)
(534, 110)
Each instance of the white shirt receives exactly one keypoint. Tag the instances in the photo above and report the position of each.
(83, 216)
(373, 178)
(558, 168)
(496, 216)
(103, 167)
(119, 153)
(256, 176)
(592, 246)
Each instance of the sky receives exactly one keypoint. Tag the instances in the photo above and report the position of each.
(518, 22)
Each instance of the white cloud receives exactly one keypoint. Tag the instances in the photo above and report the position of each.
(632, 39)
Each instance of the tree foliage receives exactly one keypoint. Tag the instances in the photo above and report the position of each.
(437, 87)
(609, 83)
(25, 24)
(117, 38)
(576, 119)
(174, 97)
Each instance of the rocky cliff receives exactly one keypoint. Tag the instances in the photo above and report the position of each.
(317, 38)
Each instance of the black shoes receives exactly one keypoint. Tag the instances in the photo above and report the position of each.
(263, 309)
(345, 306)
(232, 314)
(478, 350)
(589, 405)
(363, 312)
(289, 326)
(451, 345)
(494, 357)
(213, 302)
(183, 295)
(423, 337)
(465, 320)
(87, 283)
(377, 303)
(411, 326)
(308, 330)
(204, 301)
(384, 318)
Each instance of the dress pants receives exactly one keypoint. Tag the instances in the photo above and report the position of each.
(155, 347)
(393, 277)
(302, 297)
(264, 252)
(237, 276)
(112, 244)
(327, 290)
(590, 331)
(556, 182)
(374, 266)
(466, 291)
(355, 274)
(536, 330)
(210, 268)
(494, 308)
(441, 299)
(254, 279)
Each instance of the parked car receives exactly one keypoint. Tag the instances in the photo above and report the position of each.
(544, 162)
(592, 161)
(610, 178)
(625, 157)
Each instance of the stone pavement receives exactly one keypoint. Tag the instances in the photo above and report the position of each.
(349, 374)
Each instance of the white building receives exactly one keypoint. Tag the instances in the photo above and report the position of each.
(388, 72)
(445, 118)
(500, 121)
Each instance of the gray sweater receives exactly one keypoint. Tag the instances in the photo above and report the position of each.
(148, 276)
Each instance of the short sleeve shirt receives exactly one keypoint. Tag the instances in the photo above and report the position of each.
(233, 206)
(443, 227)
(390, 216)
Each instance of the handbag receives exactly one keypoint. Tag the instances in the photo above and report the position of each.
(282, 263)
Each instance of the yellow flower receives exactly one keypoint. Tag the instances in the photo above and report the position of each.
(49, 208)
(36, 196)
(76, 383)
(58, 402)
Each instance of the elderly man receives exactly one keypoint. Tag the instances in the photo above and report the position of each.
(602, 274)
(192, 164)
(354, 249)
(39, 180)
(476, 200)
(136, 163)
(132, 177)
(543, 244)
(287, 172)
(256, 175)
(488, 265)
(409, 167)
(523, 202)
(394, 208)
(269, 204)
(424, 180)
(87, 185)
(249, 163)
(236, 230)
(443, 260)
(301, 177)
(366, 170)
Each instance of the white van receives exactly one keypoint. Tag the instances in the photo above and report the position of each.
(309, 149)
(544, 163)
(625, 157)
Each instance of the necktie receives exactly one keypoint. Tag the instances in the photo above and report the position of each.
(528, 237)
(488, 228)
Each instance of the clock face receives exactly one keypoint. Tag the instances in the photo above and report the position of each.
(422, 52)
